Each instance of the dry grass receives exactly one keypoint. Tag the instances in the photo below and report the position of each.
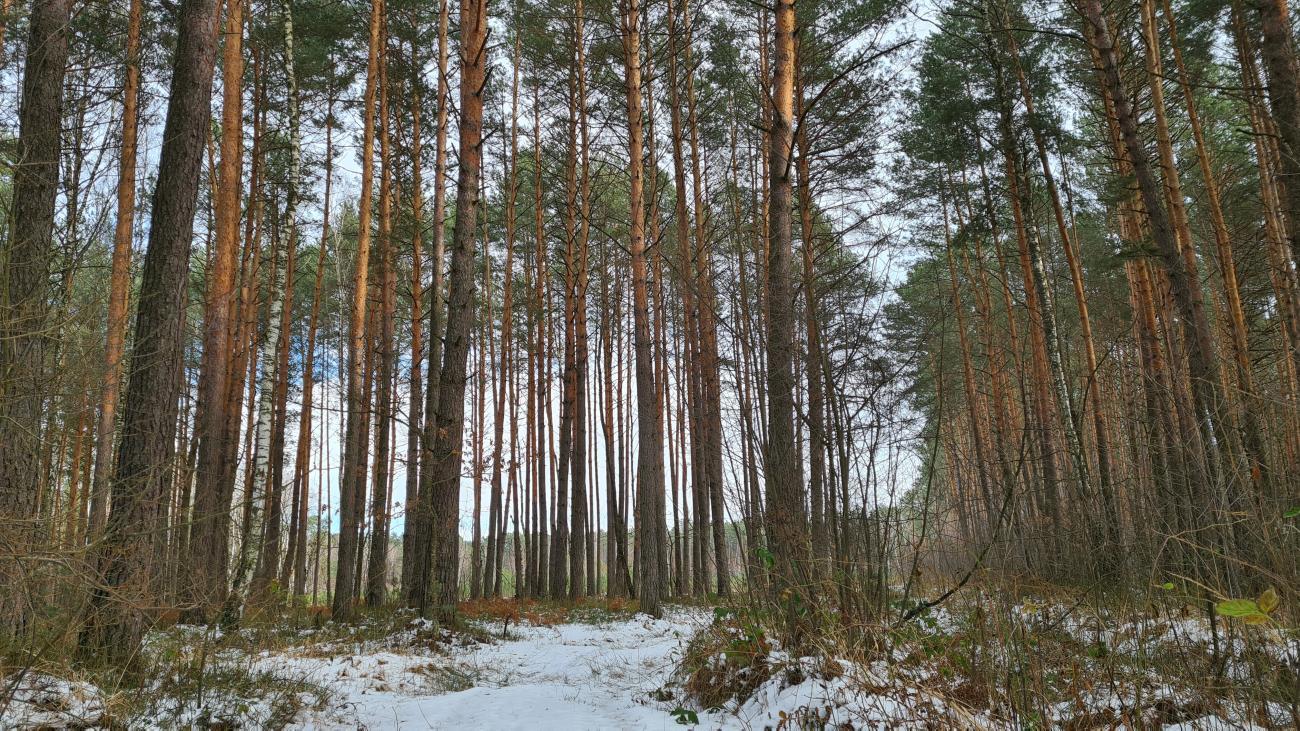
(1016, 656)
(546, 612)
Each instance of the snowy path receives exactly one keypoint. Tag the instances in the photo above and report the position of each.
(571, 676)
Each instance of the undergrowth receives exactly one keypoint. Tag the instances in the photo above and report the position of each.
(726, 660)
(1004, 656)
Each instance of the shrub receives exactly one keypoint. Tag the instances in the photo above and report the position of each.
(727, 660)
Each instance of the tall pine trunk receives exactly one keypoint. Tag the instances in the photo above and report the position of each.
(1201, 354)
(120, 277)
(787, 523)
(126, 556)
(650, 585)
(356, 435)
(437, 585)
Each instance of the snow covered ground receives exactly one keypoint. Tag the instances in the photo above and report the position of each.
(599, 670)
(570, 676)
(603, 674)
(609, 675)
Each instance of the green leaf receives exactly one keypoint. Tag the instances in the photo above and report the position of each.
(768, 559)
(685, 716)
(1292, 513)
(1236, 608)
(1167, 586)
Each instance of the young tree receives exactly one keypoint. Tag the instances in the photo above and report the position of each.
(120, 277)
(268, 555)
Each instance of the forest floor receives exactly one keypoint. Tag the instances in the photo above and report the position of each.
(968, 664)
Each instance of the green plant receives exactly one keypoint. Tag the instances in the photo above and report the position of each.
(1250, 611)
(685, 716)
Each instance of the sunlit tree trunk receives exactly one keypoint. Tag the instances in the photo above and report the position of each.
(120, 277)
(211, 490)
(787, 521)
(377, 565)
(355, 445)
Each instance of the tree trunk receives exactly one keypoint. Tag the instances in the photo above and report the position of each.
(707, 309)
(211, 500)
(421, 544)
(787, 521)
(968, 377)
(560, 537)
(439, 513)
(270, 548)
(272, 521)
(821, 536)
(355, 445)
(125, 560)
(260, 486)
(649, 428)
(26, 259)
(297, 554)
(484, 337)
(120, 278)
(377, 566)
(1251, 407)
(1201, 355)
(415, 414)
(1277, 46)
(492, 571)
(1040, 400)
